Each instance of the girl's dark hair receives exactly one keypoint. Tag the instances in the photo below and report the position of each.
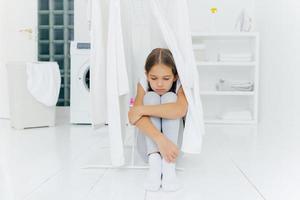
(161, 56)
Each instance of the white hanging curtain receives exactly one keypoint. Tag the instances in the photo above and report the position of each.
(176, 32)
(108, 72)
(98, 19)
(146, 24)
(117, 82)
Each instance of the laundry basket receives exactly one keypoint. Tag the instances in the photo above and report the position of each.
(25, 110)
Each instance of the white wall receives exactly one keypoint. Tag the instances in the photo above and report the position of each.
(20, 46)
(228, 11)
(278, 24)
(16, 45)
(81, 32)
(4, 111)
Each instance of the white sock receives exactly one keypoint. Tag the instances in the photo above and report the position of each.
(153, 180)
(169, 179)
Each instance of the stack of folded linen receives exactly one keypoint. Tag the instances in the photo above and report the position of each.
(226, 85)
(237, 57)
(236, 115)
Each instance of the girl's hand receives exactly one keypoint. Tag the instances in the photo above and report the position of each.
(168, 149)
(134, 114)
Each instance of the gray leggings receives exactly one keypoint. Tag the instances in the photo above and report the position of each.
(169, 127)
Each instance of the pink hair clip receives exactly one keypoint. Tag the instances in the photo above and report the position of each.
(131, 102)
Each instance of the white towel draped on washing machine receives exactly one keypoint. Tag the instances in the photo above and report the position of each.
(43, 81)
(147, 26)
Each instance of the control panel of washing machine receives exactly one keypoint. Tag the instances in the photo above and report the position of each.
(82, 45)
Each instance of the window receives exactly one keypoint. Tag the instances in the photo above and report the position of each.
(56, 30)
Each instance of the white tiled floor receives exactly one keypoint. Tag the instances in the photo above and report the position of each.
(237, 162)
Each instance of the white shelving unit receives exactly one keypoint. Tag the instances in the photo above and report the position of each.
(219, 104)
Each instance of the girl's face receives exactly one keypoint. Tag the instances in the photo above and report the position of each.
(161, 78)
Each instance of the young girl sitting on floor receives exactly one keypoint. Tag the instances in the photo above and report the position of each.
(158, 110)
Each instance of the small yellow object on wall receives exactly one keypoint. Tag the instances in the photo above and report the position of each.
(213, 10)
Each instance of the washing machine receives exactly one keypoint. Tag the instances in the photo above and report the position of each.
(80, 83)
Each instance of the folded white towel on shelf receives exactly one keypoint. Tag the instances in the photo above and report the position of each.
(236, 115)
(237, 57)
(43, 81)
(227, 85)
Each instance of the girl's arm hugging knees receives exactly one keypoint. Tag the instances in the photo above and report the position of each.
(168, 110)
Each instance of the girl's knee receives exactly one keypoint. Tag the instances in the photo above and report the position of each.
(151, 98)
(169, 97)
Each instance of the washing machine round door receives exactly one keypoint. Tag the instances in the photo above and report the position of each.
(84, 77)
